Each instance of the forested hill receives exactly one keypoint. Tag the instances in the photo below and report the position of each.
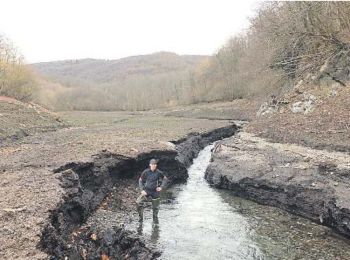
(135, 82)
(97, 71)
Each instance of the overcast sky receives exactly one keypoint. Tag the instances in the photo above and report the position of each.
(47, 30)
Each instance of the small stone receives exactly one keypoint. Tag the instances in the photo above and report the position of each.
(93, 237)
(336, 184)
(10, 210)
(70, 175)
(333, 93)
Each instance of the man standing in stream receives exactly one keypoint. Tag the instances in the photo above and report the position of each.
(149, 183)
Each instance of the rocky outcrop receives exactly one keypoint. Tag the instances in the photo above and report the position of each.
(310, 183)
(87, 184)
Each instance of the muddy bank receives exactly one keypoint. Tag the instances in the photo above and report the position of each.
(88, 183)
(310, 183)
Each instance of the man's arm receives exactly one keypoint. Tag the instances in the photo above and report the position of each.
(142, 180)
(165, 181)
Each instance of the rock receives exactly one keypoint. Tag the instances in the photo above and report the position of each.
(306, 106)
(266, 108)
(9, 210)
(6, 231)
(333, 93)
(93, 237)
(69, 179)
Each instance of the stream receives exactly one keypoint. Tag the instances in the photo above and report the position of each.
(197, 221)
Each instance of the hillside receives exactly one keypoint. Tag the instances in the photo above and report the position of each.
(19, 119)
(98, 71)
(121, 84)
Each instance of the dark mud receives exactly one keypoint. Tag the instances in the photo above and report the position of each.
(87, 184)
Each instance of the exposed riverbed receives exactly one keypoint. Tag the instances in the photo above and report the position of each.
(200, 222)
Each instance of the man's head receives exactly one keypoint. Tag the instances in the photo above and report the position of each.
(153, 164)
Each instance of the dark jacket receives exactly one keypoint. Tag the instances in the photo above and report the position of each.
(149, 180)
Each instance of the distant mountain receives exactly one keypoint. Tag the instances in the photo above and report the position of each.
(134, 83)
(98, 71)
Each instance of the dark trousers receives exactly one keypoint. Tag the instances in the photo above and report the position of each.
(152, 196)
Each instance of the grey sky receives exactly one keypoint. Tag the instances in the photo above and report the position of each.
(46, 30)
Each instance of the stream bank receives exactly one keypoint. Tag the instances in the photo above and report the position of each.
(88, 183)
(310, 183)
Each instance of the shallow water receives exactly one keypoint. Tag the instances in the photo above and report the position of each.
(200, 222)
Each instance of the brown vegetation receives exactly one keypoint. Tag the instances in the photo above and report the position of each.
(286, 42)
(16, 80)
(132, 83)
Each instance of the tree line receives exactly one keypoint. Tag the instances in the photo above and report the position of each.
(286, 42)
(16, 79)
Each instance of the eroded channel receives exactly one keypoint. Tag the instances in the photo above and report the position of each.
(200, 222)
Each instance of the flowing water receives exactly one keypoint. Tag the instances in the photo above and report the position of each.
(197, 221)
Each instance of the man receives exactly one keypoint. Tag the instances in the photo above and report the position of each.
(150, 189)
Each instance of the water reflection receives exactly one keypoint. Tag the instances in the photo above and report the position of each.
(154, 234)
(140, 229)
(285, 236)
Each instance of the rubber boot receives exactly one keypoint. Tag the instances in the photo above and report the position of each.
(139, 206)
(155, 209)
(140, 211)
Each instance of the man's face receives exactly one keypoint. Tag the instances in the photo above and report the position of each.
(153, 166)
